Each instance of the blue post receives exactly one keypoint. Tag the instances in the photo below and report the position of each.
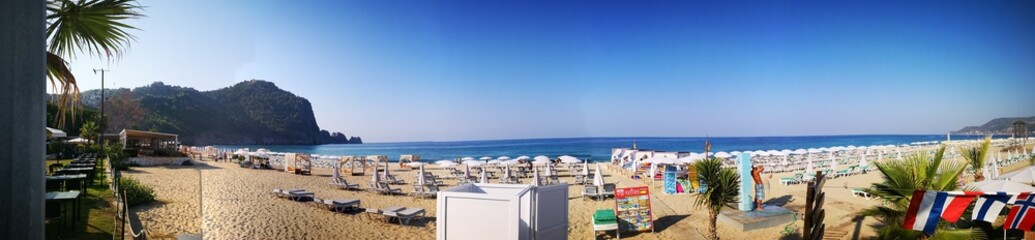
(746, 190)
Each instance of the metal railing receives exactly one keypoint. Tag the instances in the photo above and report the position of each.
(122, 213)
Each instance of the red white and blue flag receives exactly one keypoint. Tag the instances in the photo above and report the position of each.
(989, 205)
(926, 207)
(1022, 214)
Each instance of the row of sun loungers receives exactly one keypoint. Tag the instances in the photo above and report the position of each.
(592, 191)
(404, 215)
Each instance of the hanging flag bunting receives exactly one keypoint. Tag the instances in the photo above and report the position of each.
(926, 207)
(989, 206)
(1022, 214)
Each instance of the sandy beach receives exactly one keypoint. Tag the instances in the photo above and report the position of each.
(238, 205)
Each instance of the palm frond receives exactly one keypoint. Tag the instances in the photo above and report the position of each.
(63, 82)
(94, 26)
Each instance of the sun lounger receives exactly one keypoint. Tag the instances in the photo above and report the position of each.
(390, 179)
(858, 192)
(590, 191)
(406, 215)
(285, 192)
(374, 211)
(383, 188)
(608, 190)
(340, 205)
(341, 183)
(605, 220)
(580, 179)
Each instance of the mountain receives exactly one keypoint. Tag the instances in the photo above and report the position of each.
(250, 112)
(998, 126)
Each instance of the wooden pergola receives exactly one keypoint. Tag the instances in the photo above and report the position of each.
(149, 141)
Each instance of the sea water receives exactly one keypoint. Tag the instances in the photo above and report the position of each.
(592, 149)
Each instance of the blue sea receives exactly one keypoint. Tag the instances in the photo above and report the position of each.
(593, 149)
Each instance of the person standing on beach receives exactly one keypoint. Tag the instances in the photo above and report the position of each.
(756, 175)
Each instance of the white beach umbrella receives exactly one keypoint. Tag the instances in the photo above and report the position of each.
(862, 162)
(800, 151)
(760, 153)
(446, 164)
(813, 150)
(485, 177)
(420, 176)
(473, 163)
(833, 162)
(569, 159)
(597, 178)
(585, 168)
(653, 171)
(337, 172)
(506, 172)
(772, 152)
(509, 162)
(734, 153)
(467, 159)
(549, 170)
(491, 162)
(485, 158)
(995, 170)
(535, 177)
(523, 157)
(787, 151)
(386, 170)
(467, 171)
(411, 164)
(541, 158)
(808, 166)
(503, 158)
(1000, 186)
(723, 155)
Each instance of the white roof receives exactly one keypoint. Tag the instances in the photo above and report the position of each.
(55, 133)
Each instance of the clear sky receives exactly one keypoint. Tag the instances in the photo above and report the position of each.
(463, 70)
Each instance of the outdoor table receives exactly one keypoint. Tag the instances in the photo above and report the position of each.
(66, 178)
(82, 165)
(87, 170)
(66, 197)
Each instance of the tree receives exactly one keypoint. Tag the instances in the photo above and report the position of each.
(976, 158)
(124, 112)
(96, 27)
(900, 178)
(723, 189)
(88, 131)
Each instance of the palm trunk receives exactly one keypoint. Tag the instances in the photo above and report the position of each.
(713, 216)
(978, 176)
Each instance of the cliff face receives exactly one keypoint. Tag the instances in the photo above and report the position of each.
(250, 112)
(998, 126)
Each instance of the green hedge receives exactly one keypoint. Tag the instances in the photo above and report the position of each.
(136, 192)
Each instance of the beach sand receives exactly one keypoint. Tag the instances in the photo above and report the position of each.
(238, 205)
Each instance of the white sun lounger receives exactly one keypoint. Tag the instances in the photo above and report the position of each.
(406, 215)
(374, 211)
(858, 192)
(340, 205)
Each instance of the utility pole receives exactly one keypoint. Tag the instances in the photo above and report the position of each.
(100, 136)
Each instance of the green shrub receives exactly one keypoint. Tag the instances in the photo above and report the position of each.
(136, 192)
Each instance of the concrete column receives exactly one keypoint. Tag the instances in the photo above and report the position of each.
(747, 190)
(22, 116)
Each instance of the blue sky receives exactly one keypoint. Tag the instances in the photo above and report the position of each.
(463, 70)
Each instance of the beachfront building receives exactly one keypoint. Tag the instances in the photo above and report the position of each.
(149, 143)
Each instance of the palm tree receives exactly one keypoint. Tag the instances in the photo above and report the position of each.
(899, 179)
(88, 131)
(723, 188)
(92, 26)
(976, 158)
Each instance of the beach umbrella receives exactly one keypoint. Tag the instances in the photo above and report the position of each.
(1000, 186)
(833, 162)
(523, 157)
(503, 158)
(473, 163)
(585, 168)
(535, 177)
(735, 153)
(549, 170)
(337, 172)
(420, 176)
(386, 170)
(995, 169)
(467, 159)
(862, 162)
(569, 159)
(485, 158)
(597, 178)
(759, 153)
(723, 155)
(506, 172)
(808, 166)
(485, 177)
(786, 151)
(541, 158)
(446, 164)
(653, 171)
(491, 162)
(509, 162)
(813, 150)
(800, 151)
(467, 171)
(415, 164)
(772, 152)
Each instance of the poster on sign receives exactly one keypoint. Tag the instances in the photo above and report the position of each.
(669, 181)
(633, 208)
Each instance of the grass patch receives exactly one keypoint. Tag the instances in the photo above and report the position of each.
(97, 214)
